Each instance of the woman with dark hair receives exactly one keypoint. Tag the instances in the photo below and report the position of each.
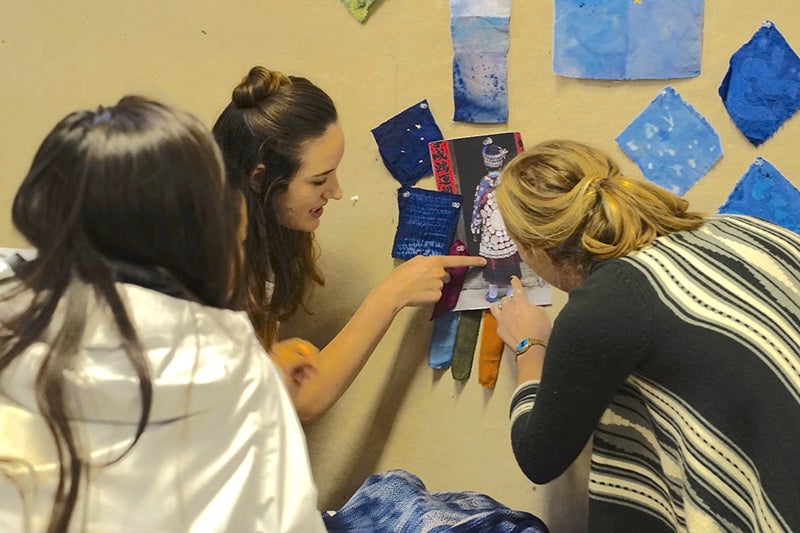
(132, 394)
(677, 352)
(282, 143)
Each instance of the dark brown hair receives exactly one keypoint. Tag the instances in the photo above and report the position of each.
(141, 184)
(270, 120)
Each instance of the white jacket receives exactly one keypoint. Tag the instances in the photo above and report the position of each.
(223, 450)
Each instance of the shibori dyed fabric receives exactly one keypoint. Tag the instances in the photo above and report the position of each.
(761, 89)
(358, 8)
(480, 33)
(628, 39)
(427, 222)
(763, 192)
(403, 143)
(673, 144)
(398, 501)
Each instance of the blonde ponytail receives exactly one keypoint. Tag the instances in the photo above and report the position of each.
(571, 200)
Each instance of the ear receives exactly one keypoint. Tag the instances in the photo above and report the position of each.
(257, 178)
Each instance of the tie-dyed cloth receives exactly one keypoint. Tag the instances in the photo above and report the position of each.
(397, 502)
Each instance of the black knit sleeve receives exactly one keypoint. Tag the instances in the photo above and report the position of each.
(599, 337)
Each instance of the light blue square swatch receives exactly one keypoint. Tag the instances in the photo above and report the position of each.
(627, 39)
(673, 144)
(763, 192)
(761, 89)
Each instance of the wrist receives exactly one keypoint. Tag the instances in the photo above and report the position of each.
(525, 345)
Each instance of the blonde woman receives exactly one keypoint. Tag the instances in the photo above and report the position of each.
(677, 350)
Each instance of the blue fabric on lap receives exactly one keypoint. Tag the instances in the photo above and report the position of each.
(672, 144)
(761, 89)
(763, 192)
(403, 143)
(427, 222)
(397, 501)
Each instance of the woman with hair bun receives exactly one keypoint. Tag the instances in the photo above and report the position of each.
(678, 350)
(282, 145)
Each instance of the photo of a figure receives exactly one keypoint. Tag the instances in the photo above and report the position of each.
(487, 227)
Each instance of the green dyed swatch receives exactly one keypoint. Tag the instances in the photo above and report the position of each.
(359, 8)
(469, 326)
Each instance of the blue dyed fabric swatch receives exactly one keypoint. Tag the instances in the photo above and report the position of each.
(403, 143)
(763, 192)
(443, 340)
(673, 144)
(624, 40)
(480, 36)
(399, 501)
(427, 222)
(761, 89)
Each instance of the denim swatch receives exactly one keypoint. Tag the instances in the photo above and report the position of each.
(761, 89)
(443, 340)
(427, 222)
(673, 144)
(403, 143)
(625, 39)
(763, 192)
(480, 35)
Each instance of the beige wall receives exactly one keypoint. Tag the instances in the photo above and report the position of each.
(60, 56)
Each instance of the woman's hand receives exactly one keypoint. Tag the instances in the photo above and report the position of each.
(297, 360)
(419, 281)
(517, 318)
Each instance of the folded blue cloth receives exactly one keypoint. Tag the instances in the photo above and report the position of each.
(763, 192)
(398, 502)
(403, 143)
(761, 89)
(427, 222)
(672, 144)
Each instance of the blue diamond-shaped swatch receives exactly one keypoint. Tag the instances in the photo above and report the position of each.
(672, 144)
(761, 89)
(403, 143)
(763, 192)
(427, 222)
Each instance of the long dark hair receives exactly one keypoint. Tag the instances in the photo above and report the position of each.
(138, 183)
(269, 121)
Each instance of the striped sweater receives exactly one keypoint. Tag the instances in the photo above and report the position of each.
(682, 361)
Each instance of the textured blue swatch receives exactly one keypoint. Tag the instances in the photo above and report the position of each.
(622, 39)
(403, 143)
(761, 89)
(672, 143)
(763, 192)
(427, 222)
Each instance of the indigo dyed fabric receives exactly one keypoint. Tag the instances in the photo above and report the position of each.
(480, 36)
(358, 8)
(763, 192)
(673, 144)
(398, 502)
(427, 222)
(761, 89)
(443, 340)
(403, 143)
(626, 39)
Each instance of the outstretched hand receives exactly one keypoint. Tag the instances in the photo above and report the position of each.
(517, 318)
(419, 281)
(297, 360)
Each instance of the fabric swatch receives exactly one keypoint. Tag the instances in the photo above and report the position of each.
(403, 143)
(625, 40)
(452, 289)
(672, 144)
(469, 325)
(427, 222)
(480, 36)
(358, 8)
(491, 351)
(761, 89)
(443, 340)
(763, 192)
